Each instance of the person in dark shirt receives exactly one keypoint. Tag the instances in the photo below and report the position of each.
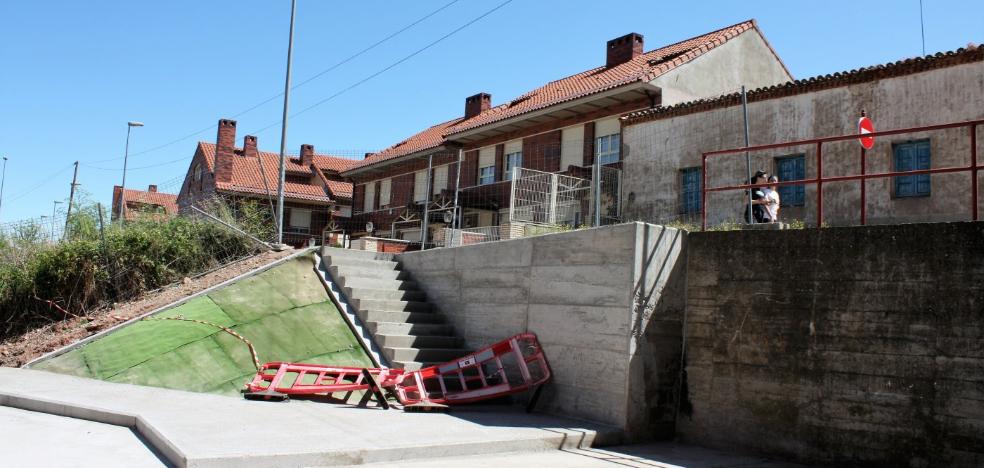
(760, 213)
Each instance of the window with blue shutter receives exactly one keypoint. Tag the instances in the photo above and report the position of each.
(789, 168)
(690, 190)
(912, 156)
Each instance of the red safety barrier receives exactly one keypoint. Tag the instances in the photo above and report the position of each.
(510, 366)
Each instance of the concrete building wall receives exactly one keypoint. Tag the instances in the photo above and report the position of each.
(745, 60)
(606, 304)
(656, 150)
(866, 349)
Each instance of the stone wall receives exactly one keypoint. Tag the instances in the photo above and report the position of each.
(859, 345)
(655, 151)
(606, 304)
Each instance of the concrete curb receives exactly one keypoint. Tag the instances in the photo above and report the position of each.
(154, 438)
(86, 340)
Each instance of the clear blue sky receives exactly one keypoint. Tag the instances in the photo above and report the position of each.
(75, 72)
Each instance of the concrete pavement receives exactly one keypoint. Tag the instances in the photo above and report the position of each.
(29, 438)
(202, 430)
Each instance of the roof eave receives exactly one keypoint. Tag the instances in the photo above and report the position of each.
(467, 136)
(388, 162)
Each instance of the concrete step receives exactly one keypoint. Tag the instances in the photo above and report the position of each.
(363, 263)
(393, 306)
(403, 328)
(385, 294)
(413, 365)
(399, 317)
(377, 283)
(360, 272)
(413, 341)
(338, 253)
(423, 354)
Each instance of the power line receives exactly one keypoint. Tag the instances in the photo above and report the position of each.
(391, 66)
(302, 83)
(48, 179)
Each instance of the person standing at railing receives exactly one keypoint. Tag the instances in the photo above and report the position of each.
(759, 212)
(772, 198)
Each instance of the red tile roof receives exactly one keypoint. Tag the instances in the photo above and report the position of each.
(167, 201)
(644, 68)
(427, 139)
(813, 84)
(247, 176)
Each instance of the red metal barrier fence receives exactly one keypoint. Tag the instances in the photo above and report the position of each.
(819, 180)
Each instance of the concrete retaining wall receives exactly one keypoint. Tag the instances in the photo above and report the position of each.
(860, 345)
(606, 304)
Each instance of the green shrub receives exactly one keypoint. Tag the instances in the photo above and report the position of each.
(84, 272)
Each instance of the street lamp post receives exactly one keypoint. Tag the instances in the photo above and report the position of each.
(126, 154)
(3, 179)
(283, 132)
(54, 209)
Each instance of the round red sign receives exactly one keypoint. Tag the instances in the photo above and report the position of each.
(864, 127)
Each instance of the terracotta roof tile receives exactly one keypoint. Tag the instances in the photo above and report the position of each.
(247, 176)
(645, 67)
(427, 139)
(816, 83)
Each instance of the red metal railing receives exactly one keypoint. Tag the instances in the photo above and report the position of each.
(819, 180)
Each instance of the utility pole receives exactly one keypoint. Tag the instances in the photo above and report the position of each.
(283, 131)
(71, 198)
(54, 208)
(3, 178)
(126, 156)
(748, 159)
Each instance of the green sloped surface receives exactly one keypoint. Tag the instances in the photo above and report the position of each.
(285, 312)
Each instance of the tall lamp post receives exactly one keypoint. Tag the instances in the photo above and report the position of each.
(54, 209)
(3, 179)
(283, 132)
(126, 154)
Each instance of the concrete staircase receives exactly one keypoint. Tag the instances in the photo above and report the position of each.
(409, 331)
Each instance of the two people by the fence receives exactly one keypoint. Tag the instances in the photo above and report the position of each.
(765, 200)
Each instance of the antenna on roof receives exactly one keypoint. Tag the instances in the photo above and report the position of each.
(922, 29)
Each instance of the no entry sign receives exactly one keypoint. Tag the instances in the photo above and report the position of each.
(864, 127)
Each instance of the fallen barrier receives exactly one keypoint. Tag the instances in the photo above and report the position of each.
(511, 366)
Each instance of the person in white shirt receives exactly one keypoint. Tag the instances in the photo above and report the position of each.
(772, 195)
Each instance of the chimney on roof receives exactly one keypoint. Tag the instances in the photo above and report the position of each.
(225, 145)
(152, 188)
(474, 105)
(249, 146)
(307, 155)
(623, 49)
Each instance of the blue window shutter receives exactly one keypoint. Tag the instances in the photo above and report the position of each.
(690, 190)
(791, 168)
(912, 156)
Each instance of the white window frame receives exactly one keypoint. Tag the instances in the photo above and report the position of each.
(441, 178)
(512, 160)
(294, 223)
(385, 192)
(370, 197)
(420, 186)
(612, 145)
(486, 175)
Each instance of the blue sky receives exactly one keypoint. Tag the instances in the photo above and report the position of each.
(75, 72)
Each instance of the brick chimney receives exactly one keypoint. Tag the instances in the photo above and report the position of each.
(249, 147)
(225, 145)
(623, 49)
(152, 188)
(307, 155)
(474, 105)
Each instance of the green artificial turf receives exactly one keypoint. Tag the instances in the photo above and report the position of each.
(285, 312)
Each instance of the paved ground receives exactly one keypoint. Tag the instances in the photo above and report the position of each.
(28, 438)
(204, 430)
(664, 455)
